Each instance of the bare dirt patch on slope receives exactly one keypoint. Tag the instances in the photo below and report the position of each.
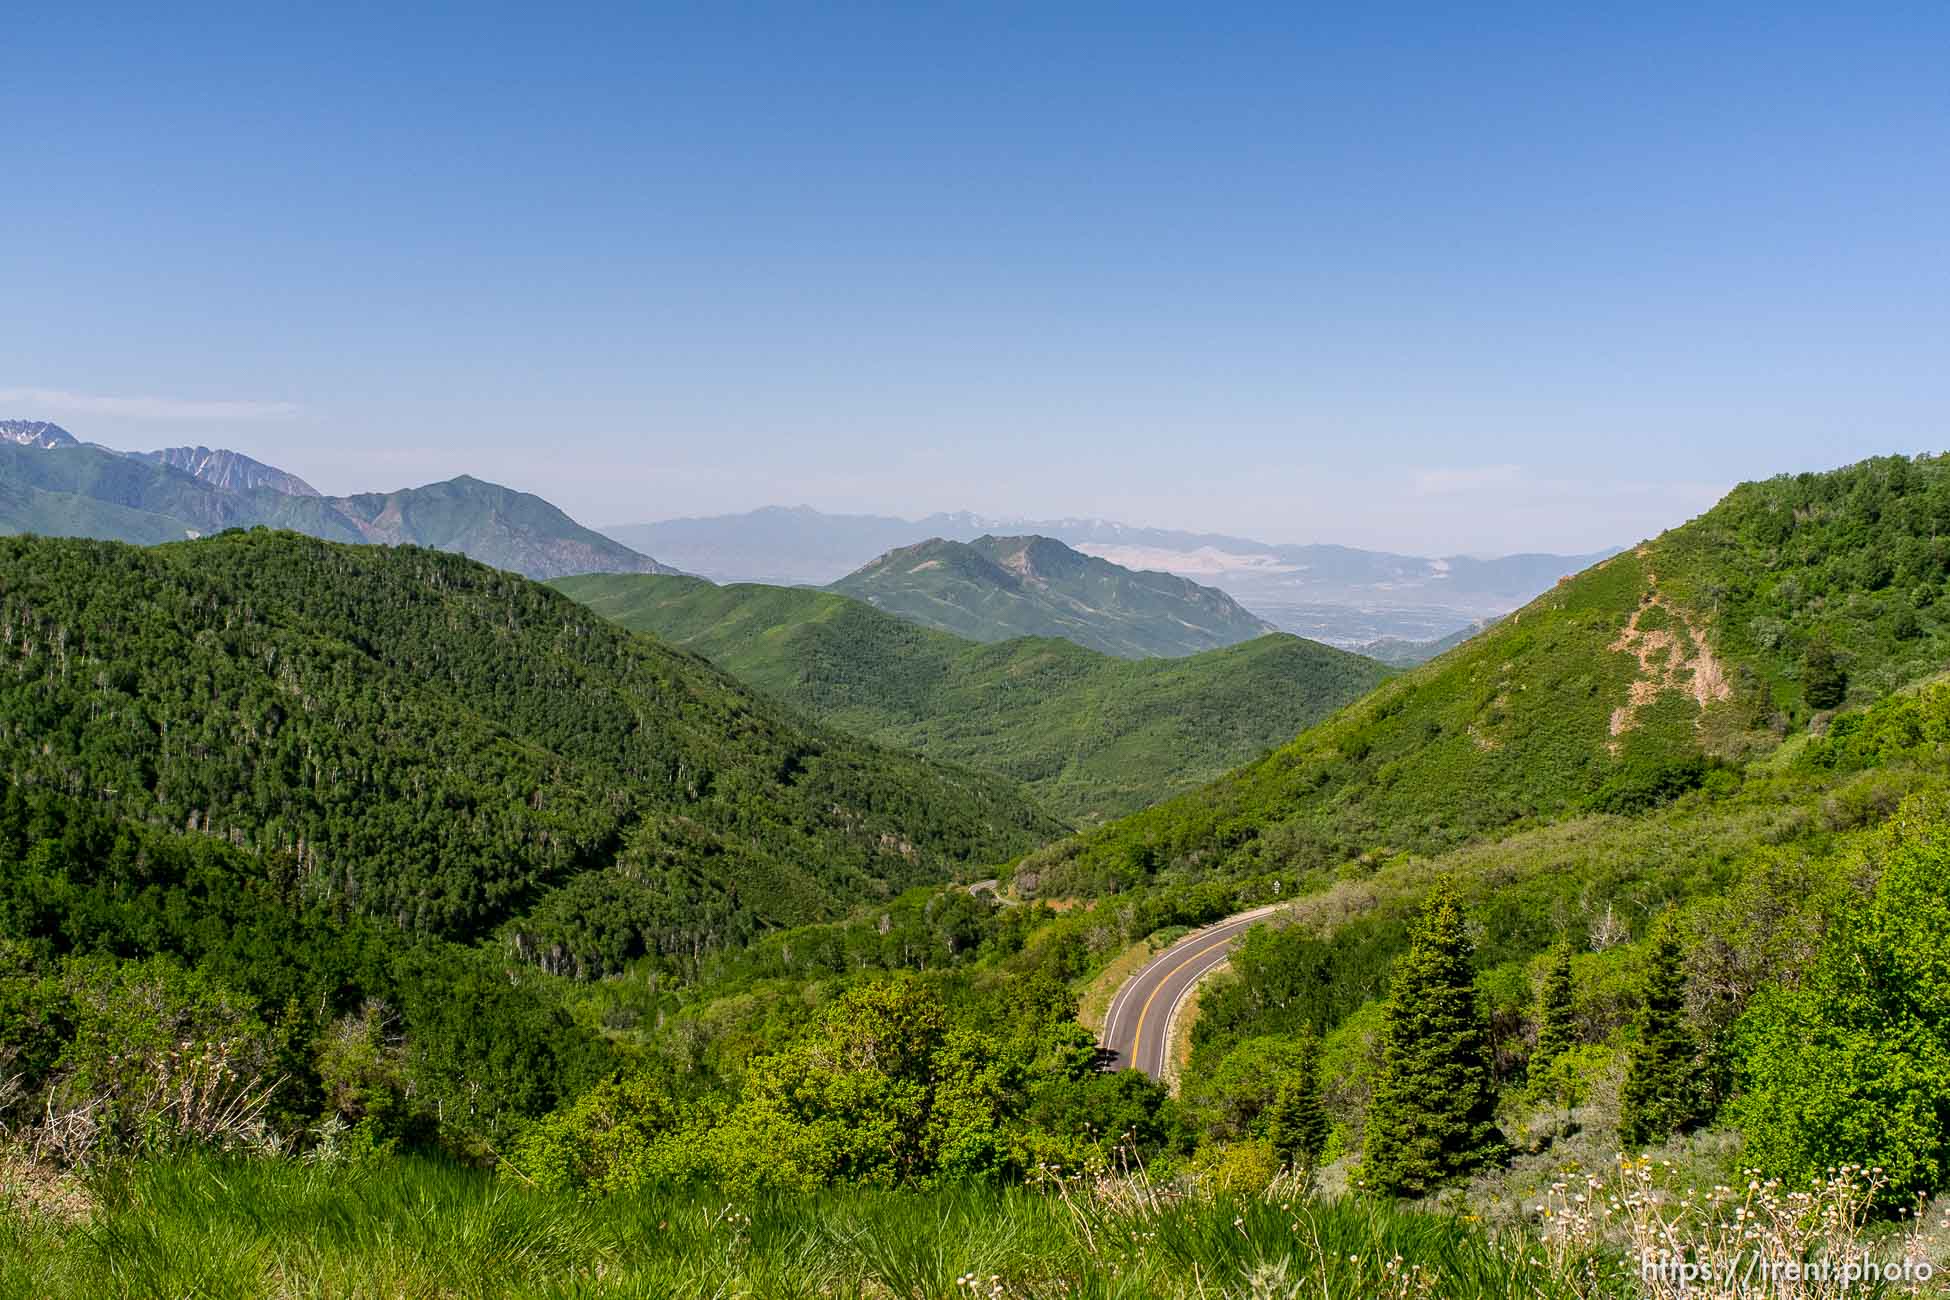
(1672, 654)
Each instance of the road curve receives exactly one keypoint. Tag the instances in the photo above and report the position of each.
(1137, 1026)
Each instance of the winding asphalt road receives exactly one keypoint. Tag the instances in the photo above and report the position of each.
(1137, 1029)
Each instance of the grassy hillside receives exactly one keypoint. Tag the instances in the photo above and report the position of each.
(997, 588)
(1090, 735)
(421, 1228)
(1855, 560)
(89, 492)
(1614, 690)
(427, 741)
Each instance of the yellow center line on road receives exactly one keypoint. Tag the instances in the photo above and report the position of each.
(1120, 1001)
(1137, 1035)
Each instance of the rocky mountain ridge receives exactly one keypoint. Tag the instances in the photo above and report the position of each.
(230, 470)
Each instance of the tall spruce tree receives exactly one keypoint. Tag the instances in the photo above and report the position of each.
(1557, 1028)
(1295, 1121)
(1557, 1032)
(1824, 683)
(1659, 1097)
(1432, 1116)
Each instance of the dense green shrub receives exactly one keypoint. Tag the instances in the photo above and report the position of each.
(1823, 683)
(1077, 1122)
(1290, 981)
(890, 1086)
(1853, 1065)
(604, 1141)
(1909, 726)
(1645, 784)
(1231, 1100)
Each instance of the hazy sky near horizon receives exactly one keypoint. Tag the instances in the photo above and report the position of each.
(1433, 278)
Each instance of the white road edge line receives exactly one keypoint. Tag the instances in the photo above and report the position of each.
(1166, 1074)
(1120, 1001)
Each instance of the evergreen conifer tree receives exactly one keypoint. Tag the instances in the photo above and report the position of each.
(1432, 1116)
(1551, 1078)
(1556, 1018)
(1659, 1098)
(1824, 684)
(1296, 1122)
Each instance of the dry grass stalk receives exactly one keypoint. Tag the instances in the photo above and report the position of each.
(1758, 1241)
(31, 1189)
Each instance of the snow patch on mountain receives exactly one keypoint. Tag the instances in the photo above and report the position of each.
(231, 470)
(37, 433)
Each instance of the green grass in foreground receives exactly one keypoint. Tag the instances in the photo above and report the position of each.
(415, 1228)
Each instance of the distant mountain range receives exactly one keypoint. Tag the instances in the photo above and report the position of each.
(230, 470)
(1397, 653)
(36, 433)
(995, 588)
(1090, 735)
(496, 525)
(1338, 594)
(53, 484)
(794, 545)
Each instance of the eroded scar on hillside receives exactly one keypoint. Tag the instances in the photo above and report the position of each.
(1675, 657)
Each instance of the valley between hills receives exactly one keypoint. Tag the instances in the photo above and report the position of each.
(959, 652)
(635, 892)
(1090, 736)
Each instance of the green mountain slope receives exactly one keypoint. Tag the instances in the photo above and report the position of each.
(495, 525)
(86, 491)
(1612, 691)
(448, 748)
(995, 588)
(1091, 735)
(27, 509)
(78, 491)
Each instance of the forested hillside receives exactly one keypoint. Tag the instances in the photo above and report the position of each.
(414, 737)
(1616, 690)
(260, 785)
(1090, 735)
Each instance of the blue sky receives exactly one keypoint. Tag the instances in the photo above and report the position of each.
(1431, 277)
